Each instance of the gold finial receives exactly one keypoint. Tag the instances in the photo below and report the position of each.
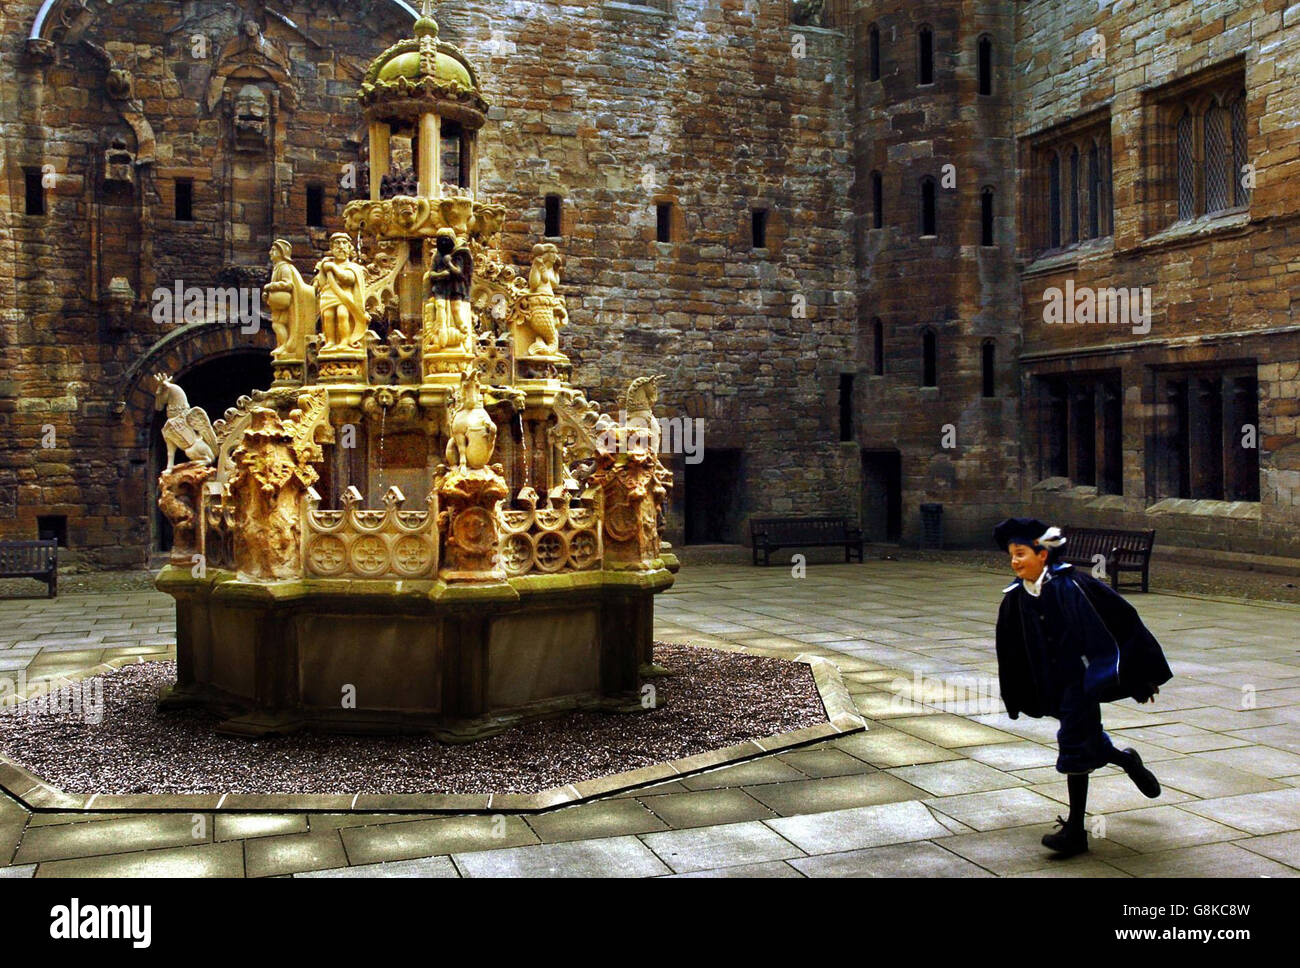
(426, 26)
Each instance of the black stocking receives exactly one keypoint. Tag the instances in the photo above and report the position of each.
(1077, 784)
(1120, 759)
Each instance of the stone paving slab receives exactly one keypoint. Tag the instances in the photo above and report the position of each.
(825, 762)
(1283, 848)
(923, 859)
(207, 860)
(294, 853)
(997, 808)
(423, 867)
(833, 793)
(860, 827)
(606, 818)
(700, 808)
(421, 838)
(237, 826)
(771, 869)
(1152, 829)
(1110, 794)
(112, 836)
(883, 747)
(1231, 767)
(1013, 756)
(612, 857)
(961, 776)
(1010, 851)
(1078, 867)
(722, 846)
(1255, 813)
(767, 770)
(1207, 860)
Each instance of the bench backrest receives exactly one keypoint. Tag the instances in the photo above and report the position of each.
(1128, 547)
(28, 556)
(801, 529)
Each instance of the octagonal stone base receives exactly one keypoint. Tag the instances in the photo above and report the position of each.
(458, 661)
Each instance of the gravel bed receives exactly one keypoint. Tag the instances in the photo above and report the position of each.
(714, 699)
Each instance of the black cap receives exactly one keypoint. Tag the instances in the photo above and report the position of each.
(1025, 531)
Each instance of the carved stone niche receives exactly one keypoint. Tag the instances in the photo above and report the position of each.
(119, 164)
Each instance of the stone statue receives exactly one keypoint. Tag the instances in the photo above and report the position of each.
(292, 302)
(470, 491)
(187, 428)
(272, 473)
(180, 498)
(341, 285)
(409, 213)
(541, 312)
(473, 432)
(638, 404)
(250, 117)
(448, 320)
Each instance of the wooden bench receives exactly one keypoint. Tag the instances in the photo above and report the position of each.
(1121, 550)
(31, 559)
(771, 534)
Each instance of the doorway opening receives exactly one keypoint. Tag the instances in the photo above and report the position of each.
(882, 495)
(713, 498)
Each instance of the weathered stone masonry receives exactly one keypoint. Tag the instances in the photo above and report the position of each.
(614, 109)
(721, 108)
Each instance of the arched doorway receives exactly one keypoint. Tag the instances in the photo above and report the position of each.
(213, 383)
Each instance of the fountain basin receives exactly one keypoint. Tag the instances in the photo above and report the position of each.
(460, 661)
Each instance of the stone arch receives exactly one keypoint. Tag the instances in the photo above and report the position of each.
(178, 353)
(190, 350)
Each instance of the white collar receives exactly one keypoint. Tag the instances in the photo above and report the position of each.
(1035, 588)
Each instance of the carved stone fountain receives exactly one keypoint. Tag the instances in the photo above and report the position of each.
(432, 531)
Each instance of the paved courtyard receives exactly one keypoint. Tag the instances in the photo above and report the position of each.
(941, 784)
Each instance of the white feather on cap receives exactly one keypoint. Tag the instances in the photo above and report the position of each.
(1051, 538)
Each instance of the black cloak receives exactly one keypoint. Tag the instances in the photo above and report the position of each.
(1077, 621)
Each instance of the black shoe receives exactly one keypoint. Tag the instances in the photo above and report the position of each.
(1142, 778)
(1067, 841)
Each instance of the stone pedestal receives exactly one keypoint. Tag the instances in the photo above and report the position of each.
(470, 519)
(288, 373)
(632, 495)
(179, 498)
(458, 661)
(445, 368)
(342, 366)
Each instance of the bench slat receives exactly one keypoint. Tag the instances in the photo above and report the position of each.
(1122, 550)
(768, 534)
(31, 559)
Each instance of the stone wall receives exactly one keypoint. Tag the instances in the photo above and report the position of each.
(957, 447)
(1223, 288)
(719, 107)
(615, 107)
